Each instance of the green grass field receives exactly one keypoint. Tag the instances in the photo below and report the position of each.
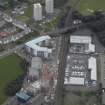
(88, 6)
(27, 15)
(9, 70)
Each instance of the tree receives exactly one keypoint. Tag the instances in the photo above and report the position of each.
(12, 88)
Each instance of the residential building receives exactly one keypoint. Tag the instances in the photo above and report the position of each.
(49, 6)
(37, 47)
(37, 12)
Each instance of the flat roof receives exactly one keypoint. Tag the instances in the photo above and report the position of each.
(23, 96)
(33, 44)
(36, 63)
(38, 39)
(80, 39)
(92, 64)
(91, 47)
(74, 81)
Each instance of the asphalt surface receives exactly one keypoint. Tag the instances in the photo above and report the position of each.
(10, 51)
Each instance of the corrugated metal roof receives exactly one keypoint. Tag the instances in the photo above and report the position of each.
(91, 48)
(74, 81)
(92, 64)
(80, 39)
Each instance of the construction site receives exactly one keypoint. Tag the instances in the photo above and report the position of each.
(63, 64)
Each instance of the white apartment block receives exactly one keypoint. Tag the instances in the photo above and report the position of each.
(37, 12)
(49, 6)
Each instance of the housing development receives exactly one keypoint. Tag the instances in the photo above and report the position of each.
(52, 52)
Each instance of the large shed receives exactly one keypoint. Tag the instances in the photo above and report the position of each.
(92, 65)
(74, 81)
(80, 39)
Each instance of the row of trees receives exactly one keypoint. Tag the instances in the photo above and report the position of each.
(11, 3)
(12, 87)
(96, 22)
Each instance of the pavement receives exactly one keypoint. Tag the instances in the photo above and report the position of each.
(10, 51)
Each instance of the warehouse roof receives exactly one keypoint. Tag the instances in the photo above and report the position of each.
(74, 81)
(91, 48)
(93, 66)
(80, 39)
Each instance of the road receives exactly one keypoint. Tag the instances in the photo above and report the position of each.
(10, 51)
(17, 23)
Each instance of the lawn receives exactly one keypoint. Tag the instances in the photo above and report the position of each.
(23, 18)
(88, 6)
(29, 11)
(49, 26)
(10, 68)
(27, 15)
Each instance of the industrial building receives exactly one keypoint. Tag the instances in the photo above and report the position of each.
(37, 47)
(49, 6)
(81, 71)
(37, 12)
(74, 81)
(35, 69)
(92, 65)
(84, 42)
(81, 67)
